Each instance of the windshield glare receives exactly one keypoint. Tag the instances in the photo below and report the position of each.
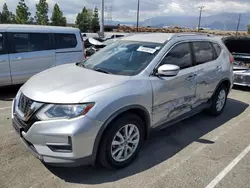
(123, 57)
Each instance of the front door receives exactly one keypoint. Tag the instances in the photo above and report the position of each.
(174, 96)
(31, 54)
(5, 77)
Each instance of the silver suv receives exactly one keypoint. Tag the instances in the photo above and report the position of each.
(104, 108)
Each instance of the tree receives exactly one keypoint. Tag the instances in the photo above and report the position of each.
(90, 17)
(82, 20)
(57, 18)
(32, 20)
(42, 9)
(6, 15)
(22, 13)
(95, 21)
(248, 29)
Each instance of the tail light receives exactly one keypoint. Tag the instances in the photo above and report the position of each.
(231, 58)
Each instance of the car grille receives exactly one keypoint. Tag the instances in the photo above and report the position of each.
(24, 104)
(242, 79)
(25, 110)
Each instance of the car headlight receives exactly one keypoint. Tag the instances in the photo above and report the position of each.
(57, 111)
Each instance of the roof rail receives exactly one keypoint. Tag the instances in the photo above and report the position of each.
(190, 34)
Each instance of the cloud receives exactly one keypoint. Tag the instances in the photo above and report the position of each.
(126, 10)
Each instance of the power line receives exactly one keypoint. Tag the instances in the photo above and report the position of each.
(201, 8)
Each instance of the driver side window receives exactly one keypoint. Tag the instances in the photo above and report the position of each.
(179, 55)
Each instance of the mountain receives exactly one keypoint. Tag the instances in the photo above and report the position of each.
(221, 21)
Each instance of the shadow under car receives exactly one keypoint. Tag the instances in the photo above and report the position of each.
(161, 146)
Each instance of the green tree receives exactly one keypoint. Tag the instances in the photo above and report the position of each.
(42, 9)
(82, 20)
(95, 21)
(248, 29)
(90, 17)
(22, 13)
(32, 20)
(57, 18)
(6, 15)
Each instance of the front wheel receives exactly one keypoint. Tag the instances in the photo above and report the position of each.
(121, 142)
(219, 101)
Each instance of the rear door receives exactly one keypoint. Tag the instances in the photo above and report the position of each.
(69, 48)
(5, 77)
(207, 70)
(31, 53)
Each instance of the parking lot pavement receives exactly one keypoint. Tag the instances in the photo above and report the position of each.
(202, 151)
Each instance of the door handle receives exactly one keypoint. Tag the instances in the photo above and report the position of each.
(219, 68)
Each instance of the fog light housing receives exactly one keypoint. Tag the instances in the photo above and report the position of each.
(61, 147)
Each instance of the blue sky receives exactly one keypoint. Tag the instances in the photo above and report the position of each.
(125, 10)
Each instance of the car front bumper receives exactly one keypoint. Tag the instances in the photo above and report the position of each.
(61, 142)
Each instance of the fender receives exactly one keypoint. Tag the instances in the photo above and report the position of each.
(224, 79)
(112, 117)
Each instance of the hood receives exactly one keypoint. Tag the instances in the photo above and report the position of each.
(69, 84)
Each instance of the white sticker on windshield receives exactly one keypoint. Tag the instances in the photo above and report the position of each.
(158, 48)
(146, 49)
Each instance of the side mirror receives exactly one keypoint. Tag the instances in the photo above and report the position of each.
(168, 70)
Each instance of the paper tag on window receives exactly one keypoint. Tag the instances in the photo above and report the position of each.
(146, 49)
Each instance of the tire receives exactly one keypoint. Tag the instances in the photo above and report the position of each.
(106, 148)
(216, 109)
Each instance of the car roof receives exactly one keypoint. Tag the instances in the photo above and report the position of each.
(36, 27)
(149, 37)
(163, 37)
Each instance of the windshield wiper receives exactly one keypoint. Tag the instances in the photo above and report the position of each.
(101, 70)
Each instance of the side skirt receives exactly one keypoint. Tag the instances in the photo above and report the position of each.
(193, 112)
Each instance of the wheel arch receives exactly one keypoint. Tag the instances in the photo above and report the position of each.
(139, 110)
(224, 81)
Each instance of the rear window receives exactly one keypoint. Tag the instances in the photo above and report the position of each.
(21, 42)
(217, 49)
(1, 44)
(30, 42)
(203, 52)
(39, 41)
(63, 40)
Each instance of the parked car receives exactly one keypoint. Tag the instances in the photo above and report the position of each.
(240, 48)
(104, 108)
(26, 50)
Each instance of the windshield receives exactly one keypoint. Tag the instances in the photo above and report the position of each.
(109, 41)
(123, 57)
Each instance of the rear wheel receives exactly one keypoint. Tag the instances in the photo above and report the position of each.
(121, 142)
(219, 101)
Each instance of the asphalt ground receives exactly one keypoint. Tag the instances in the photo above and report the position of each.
(202, 151)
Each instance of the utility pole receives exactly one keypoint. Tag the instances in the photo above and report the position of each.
(201, 8)
(102, 20)
(238, 25)
(225, 25)
(138, 12)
